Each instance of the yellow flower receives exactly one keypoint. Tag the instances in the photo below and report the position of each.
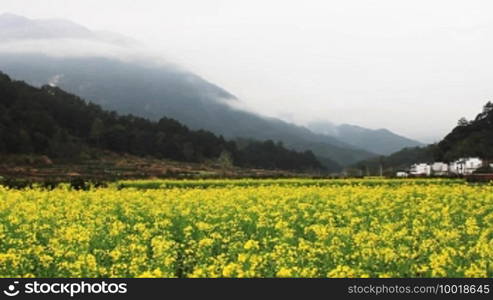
(206, 242)
(250, 228)
(284, 272)
(476, 271)
(251, 245)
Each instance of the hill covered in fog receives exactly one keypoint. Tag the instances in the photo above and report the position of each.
(99, 67)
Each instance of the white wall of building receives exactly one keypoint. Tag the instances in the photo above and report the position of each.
(462, 166)
(420, 169)
(466, 166)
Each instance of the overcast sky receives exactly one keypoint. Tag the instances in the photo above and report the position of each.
(414, 67)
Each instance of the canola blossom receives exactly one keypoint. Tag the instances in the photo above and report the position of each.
(286, 228)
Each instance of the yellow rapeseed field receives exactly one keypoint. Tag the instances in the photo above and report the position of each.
(290, 228)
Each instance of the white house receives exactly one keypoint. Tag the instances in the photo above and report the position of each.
(440, 169)
(421, 169)
(402, 174)
(465, 166)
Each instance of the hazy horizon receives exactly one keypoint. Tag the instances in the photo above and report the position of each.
(413, 68)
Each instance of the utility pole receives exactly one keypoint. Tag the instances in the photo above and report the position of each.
(381, 166)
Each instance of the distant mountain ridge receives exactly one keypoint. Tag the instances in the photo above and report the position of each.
(380, 141)
(14, 27)
(154, 91)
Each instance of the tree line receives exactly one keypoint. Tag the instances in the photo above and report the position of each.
(50, 121)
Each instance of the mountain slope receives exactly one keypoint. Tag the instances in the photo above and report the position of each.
(50, 121)
(151, 90)
(380, 141)
(155, 92)
(468, 139)
(400, 160)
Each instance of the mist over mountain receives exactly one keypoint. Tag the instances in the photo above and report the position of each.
(50, 121)
(380, 141)
(14, 28)
(150, 90)
(156, 92)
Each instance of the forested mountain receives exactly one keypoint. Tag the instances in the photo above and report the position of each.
(153, 92)
(45, 52)
(50, 121)
(468, 139)
(380, 141)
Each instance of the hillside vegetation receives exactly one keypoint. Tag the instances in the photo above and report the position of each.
(472, 138)
(52, 122)
(469, 138)
(151, 91)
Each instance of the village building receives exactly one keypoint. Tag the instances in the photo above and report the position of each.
(421, 169)
(440, 169)
(465, 166)
(402, 174)
(462, 166)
